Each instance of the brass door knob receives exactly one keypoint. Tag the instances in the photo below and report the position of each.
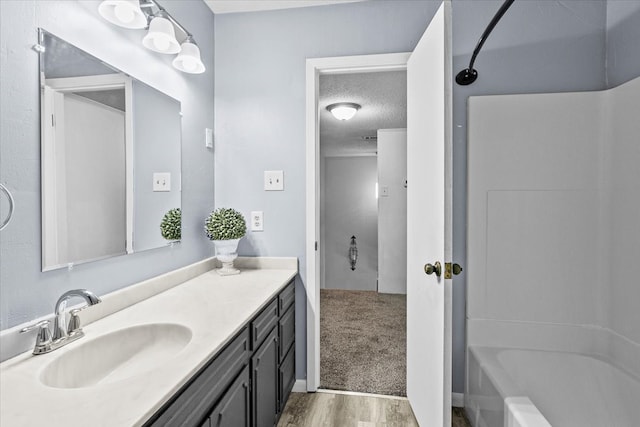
(435, 268)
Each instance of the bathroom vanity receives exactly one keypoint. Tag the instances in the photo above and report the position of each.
(248, 382)
(189, 348)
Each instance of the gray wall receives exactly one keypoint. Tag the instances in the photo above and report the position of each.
(260, 107)
(623, 41)
(26, 292)
(156, 148)
(350, 209)
(538, 47)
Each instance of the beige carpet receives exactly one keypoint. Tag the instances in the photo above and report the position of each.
(363, 342)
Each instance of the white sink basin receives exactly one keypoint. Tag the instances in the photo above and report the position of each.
(116, 356)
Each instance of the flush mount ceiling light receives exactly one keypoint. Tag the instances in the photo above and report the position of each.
(123, 13)
(188, 60)
(343, 110)
(161, 36)
(165, 35)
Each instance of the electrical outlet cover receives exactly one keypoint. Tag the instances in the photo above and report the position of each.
(257, 221)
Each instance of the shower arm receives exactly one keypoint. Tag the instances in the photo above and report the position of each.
(469, 75)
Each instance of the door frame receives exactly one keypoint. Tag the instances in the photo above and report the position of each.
(314, 68)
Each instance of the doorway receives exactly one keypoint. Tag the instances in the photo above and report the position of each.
(429, 148)
(363, 226)
(316, 67)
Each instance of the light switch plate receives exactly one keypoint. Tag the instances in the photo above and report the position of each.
(162, 181)
(273, 180)
(257, 221)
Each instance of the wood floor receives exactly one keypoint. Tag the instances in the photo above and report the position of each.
(345, 410)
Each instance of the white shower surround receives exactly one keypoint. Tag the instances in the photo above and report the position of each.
(554, 202)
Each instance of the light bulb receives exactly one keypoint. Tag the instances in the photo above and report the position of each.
(344, 113)
(123, 13)
(161, 43)
(343, 110)
(189, 64)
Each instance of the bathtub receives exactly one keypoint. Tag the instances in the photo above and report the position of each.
(532, 388)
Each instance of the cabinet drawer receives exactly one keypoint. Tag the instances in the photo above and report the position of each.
(263, 323)
(286, 378)
(192, 404)
(287, 297)
(287, 331)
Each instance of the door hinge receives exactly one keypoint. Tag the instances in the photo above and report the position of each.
(451, 269)
(53, 121)
(316, 245)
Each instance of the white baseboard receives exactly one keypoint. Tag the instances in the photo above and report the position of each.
(300, 386)
(457, 400)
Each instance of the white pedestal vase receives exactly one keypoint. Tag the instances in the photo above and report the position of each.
(226, 252)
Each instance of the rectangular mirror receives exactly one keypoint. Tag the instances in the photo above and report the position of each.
(110, 158)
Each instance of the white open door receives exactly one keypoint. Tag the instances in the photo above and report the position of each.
(429, 223)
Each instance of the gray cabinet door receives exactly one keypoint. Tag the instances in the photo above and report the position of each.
(234, 408)
(264, 378)
(286, 378)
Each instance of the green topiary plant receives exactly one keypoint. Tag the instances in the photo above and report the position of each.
(225, 224)
(170, 227)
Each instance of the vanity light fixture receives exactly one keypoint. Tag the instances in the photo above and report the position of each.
(164, 35)
(343, 110)
(188, 60)
(123, 13)
(161, 36)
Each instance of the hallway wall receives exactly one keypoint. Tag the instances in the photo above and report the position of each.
(350, 208)
(392, 211)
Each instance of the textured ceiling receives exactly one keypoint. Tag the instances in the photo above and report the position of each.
(231, 6)
(383, 97)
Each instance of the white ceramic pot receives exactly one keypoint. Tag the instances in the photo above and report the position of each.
(226, 252)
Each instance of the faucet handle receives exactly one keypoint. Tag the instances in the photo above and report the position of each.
(41, 324)
(44, 335)
(74, 321)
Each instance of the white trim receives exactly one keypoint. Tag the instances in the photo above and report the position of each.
(87, 83)
(128, 161)
(300, 386)
(357, 393)
(457, 400)
(315, 67)
(331, 155)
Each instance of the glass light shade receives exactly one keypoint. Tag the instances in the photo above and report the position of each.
(343, 110)
(123, 13)
(161, 36)
(188, 60)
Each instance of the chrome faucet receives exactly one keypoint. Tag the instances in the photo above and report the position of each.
(60, 329)
(63, 332)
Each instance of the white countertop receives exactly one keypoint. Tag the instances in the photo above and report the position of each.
(213, 307)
